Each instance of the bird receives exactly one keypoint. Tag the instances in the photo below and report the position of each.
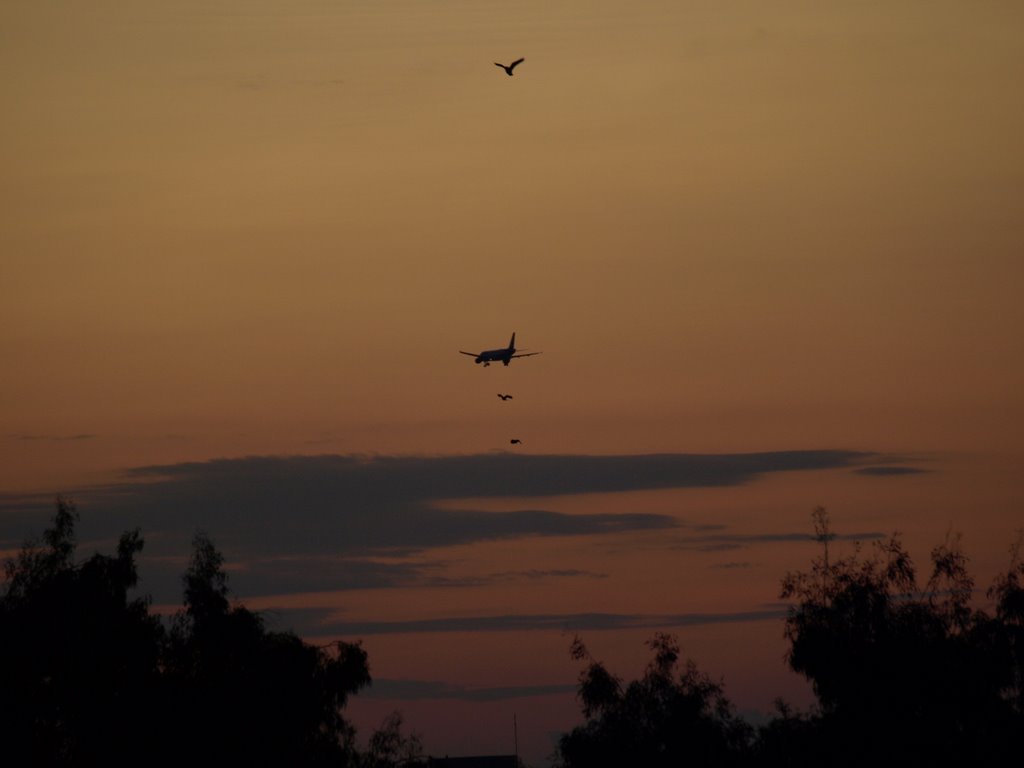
(504, 397)
(510, 67)
(515, 441)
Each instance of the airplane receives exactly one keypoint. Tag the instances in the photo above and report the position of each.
(505, 355)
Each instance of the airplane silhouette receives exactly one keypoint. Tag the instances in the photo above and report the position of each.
(505, 354)
(515, 441)
(510, 67)
(504, 397)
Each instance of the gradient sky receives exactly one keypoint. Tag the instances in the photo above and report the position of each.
(241, 244)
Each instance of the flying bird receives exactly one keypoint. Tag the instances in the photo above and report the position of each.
(515, 441)
(504, 397)
(510, 67)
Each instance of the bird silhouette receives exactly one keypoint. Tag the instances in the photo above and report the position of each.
(515, 441)
(510, 67)
(504, 397)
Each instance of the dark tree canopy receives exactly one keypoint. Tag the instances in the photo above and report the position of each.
(669, 717)
(90, 678)
(390, 748)
(249, 695)
(79, 661)
(905, 673)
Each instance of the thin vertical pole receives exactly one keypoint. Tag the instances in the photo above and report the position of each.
(515, 736)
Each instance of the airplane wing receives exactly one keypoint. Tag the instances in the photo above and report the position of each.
(527, 354)
(471, 354)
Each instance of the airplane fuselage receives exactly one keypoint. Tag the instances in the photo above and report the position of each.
(504, 355)
(489, 356)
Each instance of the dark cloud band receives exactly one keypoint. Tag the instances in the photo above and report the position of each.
(315, 523)
(318, 622)
(418, 690)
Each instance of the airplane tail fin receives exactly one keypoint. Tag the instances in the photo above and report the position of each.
(512, 343)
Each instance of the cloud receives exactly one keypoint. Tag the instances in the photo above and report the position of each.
(721, 542)
(416, 690)
(321, 623)
(542, 575)
(358, 504)
(303, 574)
(501, 474)
(319, 523)
(889, 471)
(295, 574)
(54, 438)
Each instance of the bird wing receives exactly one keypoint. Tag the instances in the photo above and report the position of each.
(516, 63)
(500, 65)
(471, 354)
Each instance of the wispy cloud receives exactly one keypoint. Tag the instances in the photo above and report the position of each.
(415, 690)
(890, 471)
(733, 565)
(355, 504)
(53, 438)
(306, 574)
(721, 542)
(502, 474)
(542, 575)
(324, 523)
(575, 622)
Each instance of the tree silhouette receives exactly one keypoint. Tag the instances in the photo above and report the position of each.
(792, 739)
(906, 674)
(390, 748)
(79, 661)
(1007, 629)
(669, 717)
(88, 677)
(249, 695)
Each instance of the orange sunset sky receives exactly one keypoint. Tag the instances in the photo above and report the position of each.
(772, 253)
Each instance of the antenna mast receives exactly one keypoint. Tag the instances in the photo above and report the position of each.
(515, 737)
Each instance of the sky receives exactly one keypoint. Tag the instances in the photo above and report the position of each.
(770, 252)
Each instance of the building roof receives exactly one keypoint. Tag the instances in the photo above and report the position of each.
(488, 761)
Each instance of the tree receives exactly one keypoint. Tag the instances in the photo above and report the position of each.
(669, 717)
(390, 748)
(252, 696)
(79, 661)
(905, 674)
(1007, 628)
(89, 677)
(791, 739)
